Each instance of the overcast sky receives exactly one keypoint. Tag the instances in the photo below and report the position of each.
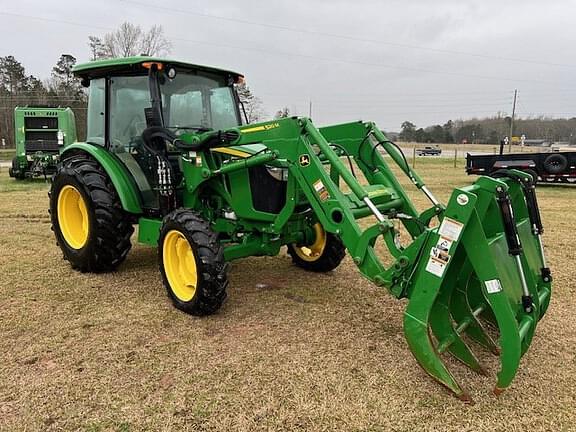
(385, 61)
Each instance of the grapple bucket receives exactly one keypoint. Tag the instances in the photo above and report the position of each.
(483, 266)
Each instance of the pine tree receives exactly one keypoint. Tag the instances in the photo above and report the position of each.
(63, 81)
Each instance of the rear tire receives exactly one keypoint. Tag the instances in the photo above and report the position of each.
(191, 261)
(324, 255)
(90, 225)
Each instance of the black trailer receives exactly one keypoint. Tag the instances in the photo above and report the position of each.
(548, 167)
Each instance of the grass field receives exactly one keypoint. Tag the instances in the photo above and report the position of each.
(289, 351)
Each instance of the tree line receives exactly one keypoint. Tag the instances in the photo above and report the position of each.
(63, 89)
(491, 130)
(18, 88)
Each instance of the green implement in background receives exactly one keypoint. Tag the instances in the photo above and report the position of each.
(40, 136)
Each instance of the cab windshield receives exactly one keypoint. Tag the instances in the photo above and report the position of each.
(189, 100)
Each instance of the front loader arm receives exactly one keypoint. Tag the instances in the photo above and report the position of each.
(303, 148)
(363, 140)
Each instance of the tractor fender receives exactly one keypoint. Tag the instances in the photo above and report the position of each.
(121, 179)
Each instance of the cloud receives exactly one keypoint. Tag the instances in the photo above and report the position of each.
(384, 61)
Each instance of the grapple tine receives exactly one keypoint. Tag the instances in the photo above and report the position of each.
(447, 335)
(467, 316)
(463, 313)
(418, 337)
(510, 340)
(449, 338)
(515, 325)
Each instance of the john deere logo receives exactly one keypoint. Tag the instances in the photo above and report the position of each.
(304, 160)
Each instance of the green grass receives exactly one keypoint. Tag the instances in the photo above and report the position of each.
(289, 351)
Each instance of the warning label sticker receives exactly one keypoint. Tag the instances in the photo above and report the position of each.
(493, 286)
(444, 244)
(321, 190)
(439, 257)
(436, 266)
(450, 229)
(440, 254)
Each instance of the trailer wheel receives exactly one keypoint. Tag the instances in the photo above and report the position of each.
(90, 225)
(192, 265)
(324, 255)
(555, 163)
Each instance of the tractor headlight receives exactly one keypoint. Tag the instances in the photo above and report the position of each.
(280, 174)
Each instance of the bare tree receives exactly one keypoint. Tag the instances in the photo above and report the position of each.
(252, 104)
(124, 42)
(130, 40)
(154, 43)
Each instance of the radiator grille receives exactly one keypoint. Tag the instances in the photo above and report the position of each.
(41, 122)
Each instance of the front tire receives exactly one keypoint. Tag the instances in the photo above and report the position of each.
(323, 255)
(192, 265)
(90, 225)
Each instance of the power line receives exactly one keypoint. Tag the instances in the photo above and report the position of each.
(311, 57)
(344, 37)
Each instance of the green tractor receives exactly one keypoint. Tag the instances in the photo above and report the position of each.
(166, 151)
(41, 133)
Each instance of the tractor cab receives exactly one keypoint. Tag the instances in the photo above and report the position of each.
(130, 97)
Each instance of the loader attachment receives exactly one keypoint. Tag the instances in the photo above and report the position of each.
(479, 275)
(483, 266)
(479, 278)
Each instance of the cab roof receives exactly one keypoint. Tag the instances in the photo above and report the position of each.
(100, 68)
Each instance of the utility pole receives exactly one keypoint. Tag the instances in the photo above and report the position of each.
(512, 121)
(310, 109)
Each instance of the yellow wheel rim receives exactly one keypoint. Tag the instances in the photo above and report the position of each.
(179, 265)
(73, 217)
(314, 251)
